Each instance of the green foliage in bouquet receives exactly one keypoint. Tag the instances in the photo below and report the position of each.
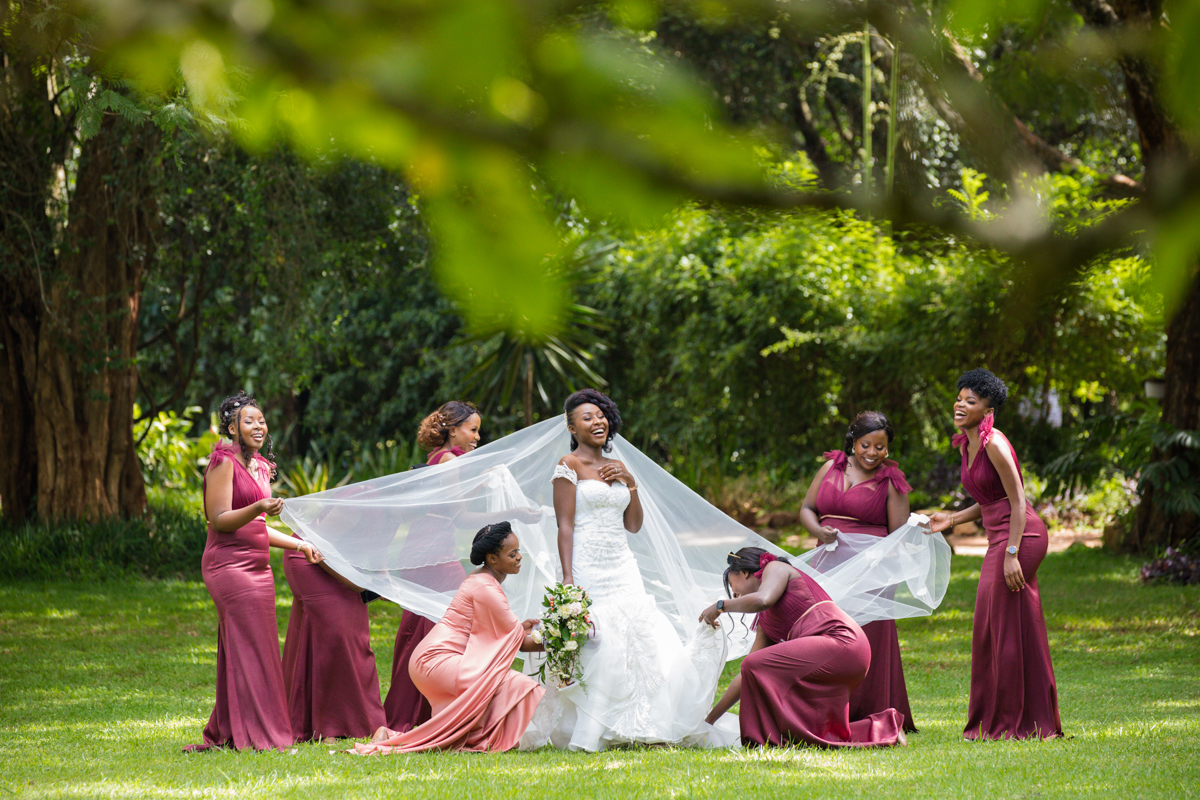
(565, 627)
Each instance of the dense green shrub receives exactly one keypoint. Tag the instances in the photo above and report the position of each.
(749, 340)
(167, 542)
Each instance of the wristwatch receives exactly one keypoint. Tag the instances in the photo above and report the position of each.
(720, 605)
(1011, 550)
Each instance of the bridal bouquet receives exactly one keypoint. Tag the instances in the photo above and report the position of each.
(565, 626)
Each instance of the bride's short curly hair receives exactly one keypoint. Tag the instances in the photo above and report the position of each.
(606, 406)
(435, 429)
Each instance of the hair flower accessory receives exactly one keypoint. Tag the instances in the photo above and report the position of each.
(763, 560)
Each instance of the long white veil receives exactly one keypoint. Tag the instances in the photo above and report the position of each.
(408, 537)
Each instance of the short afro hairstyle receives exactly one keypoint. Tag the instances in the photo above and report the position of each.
(488, 541)
(986, 385)
(606, 406)
(864, 423)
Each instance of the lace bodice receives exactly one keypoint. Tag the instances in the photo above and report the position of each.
(599, 508)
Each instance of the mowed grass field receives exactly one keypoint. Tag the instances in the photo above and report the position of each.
(102, 684)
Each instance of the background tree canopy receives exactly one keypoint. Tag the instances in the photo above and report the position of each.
(770, 215)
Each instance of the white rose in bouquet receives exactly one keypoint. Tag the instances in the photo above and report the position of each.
(536, 635)
(573, 610)
(571, 644)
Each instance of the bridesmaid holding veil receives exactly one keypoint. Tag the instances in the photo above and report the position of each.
(464, 665)
(807, 657)
(328, 664)
(1013, 692)
(448, 433)
(250, 710)
(859, 490)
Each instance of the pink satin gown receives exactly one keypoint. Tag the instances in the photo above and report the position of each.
(798, 689)
(863, 509)
(464, 668)
(328, 664)
(1013, 691)
(249, 711)
(404, 707)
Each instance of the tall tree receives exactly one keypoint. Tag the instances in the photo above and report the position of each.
(76, 233)
(1166, 154)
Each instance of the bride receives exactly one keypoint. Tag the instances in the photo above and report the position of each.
(640, 683)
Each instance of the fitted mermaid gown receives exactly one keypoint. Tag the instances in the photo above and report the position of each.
(641, 682)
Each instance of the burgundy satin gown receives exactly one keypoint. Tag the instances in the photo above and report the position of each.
(405, 707)
(328, 665)
(249, 711)
(798, 689)
(863, 509)
(1013, 692)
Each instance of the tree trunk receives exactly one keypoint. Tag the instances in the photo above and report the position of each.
(33, 144)
(70, 295)
(1164, 153)
(87, 376)
(1153, 528)
(528, 398)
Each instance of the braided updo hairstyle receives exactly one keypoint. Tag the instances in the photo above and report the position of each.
(435, 429)
(230, 413)
(985, 384)
(601, 401)
(745, 560)
(864, 423)
(489, 541)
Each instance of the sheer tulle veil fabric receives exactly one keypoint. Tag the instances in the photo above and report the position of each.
(403, 535)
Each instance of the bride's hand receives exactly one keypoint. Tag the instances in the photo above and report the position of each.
(615, 471)
(709, 616)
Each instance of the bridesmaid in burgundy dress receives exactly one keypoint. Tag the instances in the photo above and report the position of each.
(1013, 693)
(859, 490)
(807, 657)
(450, 432)
(249, 710)
(328, 664)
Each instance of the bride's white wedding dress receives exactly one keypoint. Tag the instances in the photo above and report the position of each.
(641, 683)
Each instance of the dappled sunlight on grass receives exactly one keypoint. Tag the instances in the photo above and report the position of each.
(103, 684)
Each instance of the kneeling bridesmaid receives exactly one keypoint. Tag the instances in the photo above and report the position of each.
(464, 666)
(807, 657)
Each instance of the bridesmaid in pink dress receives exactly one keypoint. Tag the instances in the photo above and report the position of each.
(807, 657)
(249, 710)
(450, 432)
(859, 490)
(1013, 692)
(328, 664)
(464, 666)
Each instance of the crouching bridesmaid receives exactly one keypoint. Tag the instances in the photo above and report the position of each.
(249, 711)
(464, 666)
(328, 664)
(807, 657)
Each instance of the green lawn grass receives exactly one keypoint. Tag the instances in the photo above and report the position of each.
(102, 683)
